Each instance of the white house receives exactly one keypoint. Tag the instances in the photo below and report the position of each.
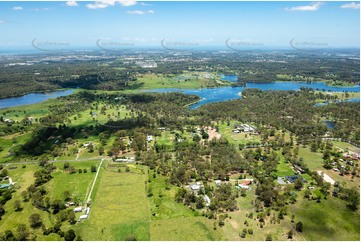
(218, 182)
(83, 217)
(149, 138)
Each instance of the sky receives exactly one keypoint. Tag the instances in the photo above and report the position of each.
(111, 24)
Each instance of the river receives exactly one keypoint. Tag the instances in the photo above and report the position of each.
(32, 98)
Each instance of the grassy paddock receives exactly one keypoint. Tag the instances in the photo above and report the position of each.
(193, 228)
(328, 220)
(119, 208)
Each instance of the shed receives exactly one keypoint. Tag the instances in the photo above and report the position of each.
(195, 187)
(207, 200)
(78, 209)
(83, 217)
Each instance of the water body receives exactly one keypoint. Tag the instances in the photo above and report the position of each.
(330, 124)
(219, 94)
(229, 78)
(353, 100)
(32, 98)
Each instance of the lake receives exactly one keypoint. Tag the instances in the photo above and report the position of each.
(218, 94)
(229, 78)
(32, 98)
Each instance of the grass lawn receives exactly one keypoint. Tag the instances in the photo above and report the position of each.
(192, 228)
(313, 160)
(328, 220)
(119, 208)
(78, 184)
(344, 146)
(154, 81)
(284, 169)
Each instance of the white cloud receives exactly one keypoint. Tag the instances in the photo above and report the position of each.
(144, 4)
(351, 5)
(313, 7)
(1, 21)
(127, 3)
(107, 3)
(140, 12)
(17, 8)
(71, 3)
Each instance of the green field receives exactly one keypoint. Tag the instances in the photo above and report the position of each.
(193, 228)
(119, 208)
(313, 160)
(328, 220)
(78, 184)
(154, 81)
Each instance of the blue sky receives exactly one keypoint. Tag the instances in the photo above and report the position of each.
(270, 24)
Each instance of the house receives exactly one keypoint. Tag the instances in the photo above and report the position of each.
(7, 120)
(243, 186)
(292, 179)
(281, 181)
(335, 169)
(87, 144)
(246, 182)
(218, 182)
(87, 211)
(149, 138)
(235, 131)
(207, 200)
(161, 128)
(78, 209)
(125, 159)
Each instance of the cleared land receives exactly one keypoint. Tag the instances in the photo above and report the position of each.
(119, 208)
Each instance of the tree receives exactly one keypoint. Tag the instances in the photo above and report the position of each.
(69, 235)
(2, 211)
(8, 236)
(290, 234)
(71, 217)
(4, 173)
(101, 150)
(199, 202)
(93, 169)
(35, 220)
(298, 183)
(17, 206)
(269, 237)
(23, 232)
(25, 196)
(299, 227)
(66, 165)
(67, 195)
(131, 237)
